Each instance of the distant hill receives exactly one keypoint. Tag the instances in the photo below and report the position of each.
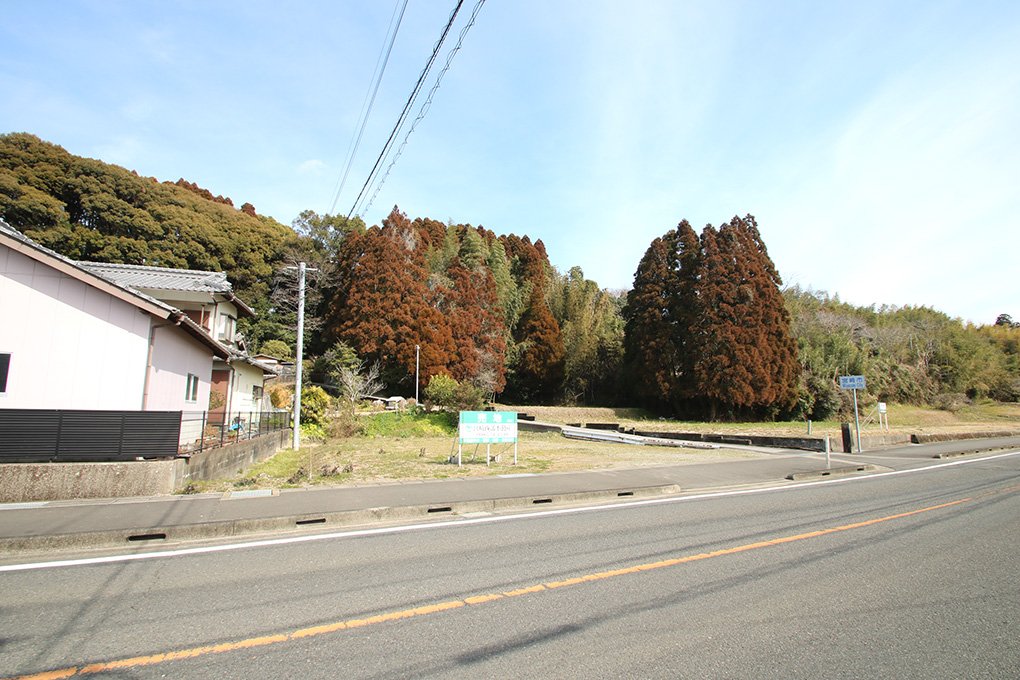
(497, 311)
(93, 211)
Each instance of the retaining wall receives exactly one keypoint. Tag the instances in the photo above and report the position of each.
(803, 443)
(227, 461)
(954, 436)
(28, 482)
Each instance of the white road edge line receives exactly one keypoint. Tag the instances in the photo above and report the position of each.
(480, 520)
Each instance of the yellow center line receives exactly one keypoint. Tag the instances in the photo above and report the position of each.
(468, 601)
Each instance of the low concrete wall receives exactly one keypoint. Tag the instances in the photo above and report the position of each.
(227, 461)
(533, 426)
(954, 436)
(27, 482)
(803, 443)
(877, 441)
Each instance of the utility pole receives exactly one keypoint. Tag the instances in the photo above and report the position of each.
(299, 352)
(417, 356)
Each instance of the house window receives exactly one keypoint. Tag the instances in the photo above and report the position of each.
(256, 392)
(191, 391)
(226, 328)
(5, 369)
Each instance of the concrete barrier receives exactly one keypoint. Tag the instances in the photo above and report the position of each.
(955, 436)
(877, 441)
(28, 482)
(803, 443)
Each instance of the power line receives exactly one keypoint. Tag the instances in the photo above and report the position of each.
(407, 107)
(428, 103)
(366, 108)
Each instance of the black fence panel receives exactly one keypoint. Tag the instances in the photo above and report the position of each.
(33, 436)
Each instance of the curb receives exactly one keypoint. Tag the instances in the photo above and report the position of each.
(348, 518)
(834, 472)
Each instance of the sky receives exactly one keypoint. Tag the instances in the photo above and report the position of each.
(876, 143)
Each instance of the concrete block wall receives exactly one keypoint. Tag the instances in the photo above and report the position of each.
(31, 482)
(227, 461)
(28, 482)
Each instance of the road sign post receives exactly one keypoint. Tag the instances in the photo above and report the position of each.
(854, 382)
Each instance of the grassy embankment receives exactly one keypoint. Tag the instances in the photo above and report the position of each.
(403, 447)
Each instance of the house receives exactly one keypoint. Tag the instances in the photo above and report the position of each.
(208, 299)
(88, 336)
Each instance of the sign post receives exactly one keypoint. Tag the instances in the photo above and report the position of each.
(487, 427)
(854, 382)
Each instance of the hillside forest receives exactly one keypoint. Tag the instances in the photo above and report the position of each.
(707, 331)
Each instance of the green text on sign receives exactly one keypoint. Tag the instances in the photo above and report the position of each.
(488, 427)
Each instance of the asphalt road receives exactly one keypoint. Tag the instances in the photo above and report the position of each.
(908, 575)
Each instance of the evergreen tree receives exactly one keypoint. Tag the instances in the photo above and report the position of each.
(650, 353)
(779, 350)
(541, 362)
(748, 359)
(661, 341)
(382, 310)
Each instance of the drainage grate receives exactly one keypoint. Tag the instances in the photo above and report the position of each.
(317, 520)
(625, 493)
(444, 509)
(147, 537)
(542, 500)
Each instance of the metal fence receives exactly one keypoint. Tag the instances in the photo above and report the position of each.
(201, 430)
(66, 436)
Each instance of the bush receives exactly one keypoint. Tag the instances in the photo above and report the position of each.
(951, 402)
(314, 404)
(1007, 390)
(441, 391)
(278, 349)
(281, 396)
(827, 398)
(345, 424)
(445, 392)
(469, 397)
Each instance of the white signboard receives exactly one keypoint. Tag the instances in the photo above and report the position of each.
(851, 382)
(488, 427)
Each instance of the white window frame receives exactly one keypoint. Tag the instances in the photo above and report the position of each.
(228, 328)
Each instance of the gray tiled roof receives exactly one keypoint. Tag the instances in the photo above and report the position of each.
(160, 278)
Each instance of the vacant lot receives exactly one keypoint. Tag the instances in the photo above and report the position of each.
(396, 447)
